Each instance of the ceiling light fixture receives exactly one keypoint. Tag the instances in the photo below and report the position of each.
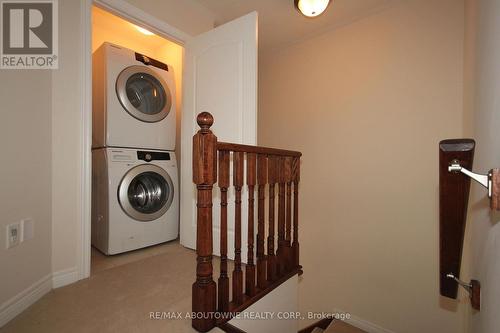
(144, 31)
(311, 8)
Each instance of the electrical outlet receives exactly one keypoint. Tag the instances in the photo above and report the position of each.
(13, 234)
(27, 229)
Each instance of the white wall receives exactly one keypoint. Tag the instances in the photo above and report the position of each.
(367, 105)
(25, 178)
(483, 225)
(272, 311)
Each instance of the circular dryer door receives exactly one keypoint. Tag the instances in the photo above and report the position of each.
(143, 93)
(146, 192)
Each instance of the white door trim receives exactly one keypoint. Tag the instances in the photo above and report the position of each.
(83, 256)
(137, 16)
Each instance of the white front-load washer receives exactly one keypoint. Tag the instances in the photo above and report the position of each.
(135, 200)
(133, 100)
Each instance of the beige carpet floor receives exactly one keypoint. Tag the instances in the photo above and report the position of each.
(118, 299)
(121, 294)
(100, 262)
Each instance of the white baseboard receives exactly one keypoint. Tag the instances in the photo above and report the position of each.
(24, 299)
(65, 277)
(364, 324)
(33, 293)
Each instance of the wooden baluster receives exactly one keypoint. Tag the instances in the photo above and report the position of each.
(238, 184)
(281, 217)
(250, 267)
(204, 176)
(288, 225)
(271, 258)
(296, 180)
(223, 185)
(261, 258)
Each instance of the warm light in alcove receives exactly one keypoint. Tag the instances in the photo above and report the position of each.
(144, 31)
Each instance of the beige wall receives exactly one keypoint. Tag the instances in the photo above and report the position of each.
(367, 105)
(469, 65)
(25, 175)
(483, 225)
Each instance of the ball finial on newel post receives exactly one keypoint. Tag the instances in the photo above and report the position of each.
(205, 120)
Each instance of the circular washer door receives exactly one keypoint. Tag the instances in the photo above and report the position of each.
(146, 192)
(143, 93)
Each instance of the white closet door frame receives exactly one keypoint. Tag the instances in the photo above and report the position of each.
(137, 16)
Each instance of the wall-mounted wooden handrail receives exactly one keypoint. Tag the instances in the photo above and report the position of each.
(454, 187)
(453, 199)
(263, 166)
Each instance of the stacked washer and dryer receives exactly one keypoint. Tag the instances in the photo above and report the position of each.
(135, 196)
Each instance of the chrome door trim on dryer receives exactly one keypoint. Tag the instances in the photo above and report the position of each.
(121, 91)
(124, 196)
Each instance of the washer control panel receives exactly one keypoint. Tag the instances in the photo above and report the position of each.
(122, 156)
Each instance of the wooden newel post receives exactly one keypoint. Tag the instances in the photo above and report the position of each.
(204, 176)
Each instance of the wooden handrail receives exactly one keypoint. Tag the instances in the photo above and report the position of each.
(454, 190)
(264, 166)
(453, 201)
(257, 149)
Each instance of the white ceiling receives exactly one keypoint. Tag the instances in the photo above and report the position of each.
(280, 24)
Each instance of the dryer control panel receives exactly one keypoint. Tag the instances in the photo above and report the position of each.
(149, 156)
(150, 61)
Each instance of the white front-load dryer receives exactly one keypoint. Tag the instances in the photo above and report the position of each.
(133, 100)
(135, 199)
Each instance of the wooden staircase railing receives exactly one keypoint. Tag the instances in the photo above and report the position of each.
(264, 166)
